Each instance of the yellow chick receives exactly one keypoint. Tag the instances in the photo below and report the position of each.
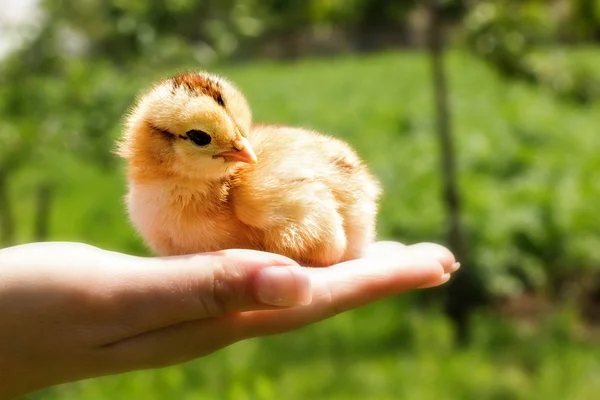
(202, 177)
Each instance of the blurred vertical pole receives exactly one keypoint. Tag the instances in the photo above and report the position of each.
(457, 308)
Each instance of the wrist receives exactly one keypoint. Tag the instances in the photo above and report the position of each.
(10, 388)
(16, 379)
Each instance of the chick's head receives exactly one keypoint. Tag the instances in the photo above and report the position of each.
(193, 125)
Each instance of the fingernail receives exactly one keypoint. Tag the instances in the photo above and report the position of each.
(283, 286)
(431, 250)
(455, 267)
(443, 279)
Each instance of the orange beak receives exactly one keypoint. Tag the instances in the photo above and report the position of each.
(242, 151)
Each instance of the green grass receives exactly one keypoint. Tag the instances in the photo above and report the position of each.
(378, 352)
(529, 170)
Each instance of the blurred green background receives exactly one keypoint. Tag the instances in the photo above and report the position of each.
(522, 318)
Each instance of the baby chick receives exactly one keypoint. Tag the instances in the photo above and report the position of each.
(202, 177)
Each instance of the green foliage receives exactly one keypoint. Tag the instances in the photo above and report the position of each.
(528, 163)
(586, 14)
(378, 352)
(505, 32)
(529, 172)
(204, 30)
(518, 38)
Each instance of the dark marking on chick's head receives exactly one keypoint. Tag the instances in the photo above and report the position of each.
(343, 163)
(163, 132)
(198, 84)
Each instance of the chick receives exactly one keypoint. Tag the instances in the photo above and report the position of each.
(202, 177)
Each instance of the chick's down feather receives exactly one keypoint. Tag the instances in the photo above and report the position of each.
(206, 179)
(309, 195)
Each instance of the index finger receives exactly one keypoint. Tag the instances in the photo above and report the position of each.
(353, 284)
(334, 289)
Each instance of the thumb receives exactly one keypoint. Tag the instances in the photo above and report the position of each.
(159, 292)
(243, 280)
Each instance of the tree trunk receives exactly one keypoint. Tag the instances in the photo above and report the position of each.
(444, 130)
(463, 291)
(42, 211)
(7, 225)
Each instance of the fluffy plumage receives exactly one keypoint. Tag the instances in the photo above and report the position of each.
(203, 178)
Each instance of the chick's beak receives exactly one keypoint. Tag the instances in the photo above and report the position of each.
(242, 151)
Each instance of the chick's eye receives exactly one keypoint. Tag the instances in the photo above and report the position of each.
(201, 138)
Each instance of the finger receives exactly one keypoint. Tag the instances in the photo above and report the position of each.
(431, 250)
(436, 252)
(155, 293)
(237, 280)
(334, 289)
(438, 282)
(346, 286)
(383, 248)
(168, 346)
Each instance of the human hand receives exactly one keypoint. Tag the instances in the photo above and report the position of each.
(70, 311)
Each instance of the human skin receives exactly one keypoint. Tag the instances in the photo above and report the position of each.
(70, 311)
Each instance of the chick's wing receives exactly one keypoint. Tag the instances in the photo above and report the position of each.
(309, 194)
